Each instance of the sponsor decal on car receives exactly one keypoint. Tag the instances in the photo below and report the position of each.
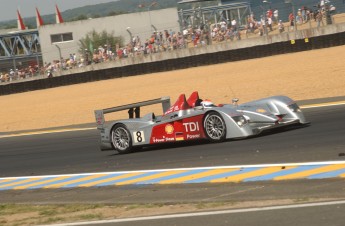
(169, 129)
(191, 126)
(163, 139)
(179, 136)
(193, 136)
(139, 136)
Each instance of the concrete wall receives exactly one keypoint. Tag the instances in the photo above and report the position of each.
(139, 24)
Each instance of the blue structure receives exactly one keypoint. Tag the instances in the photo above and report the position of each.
(19, 43)
(19, 48)
(200, 14)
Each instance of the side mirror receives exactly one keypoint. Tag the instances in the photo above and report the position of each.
(234, 101)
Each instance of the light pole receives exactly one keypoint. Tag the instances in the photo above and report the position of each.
(149, 11)
(130, 34)
(38, 63)
(59, 51)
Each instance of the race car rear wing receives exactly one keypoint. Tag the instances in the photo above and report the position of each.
(132, 108)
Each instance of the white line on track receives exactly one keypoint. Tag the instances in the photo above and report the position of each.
(206, 213)
(189, 169)
(93, 128)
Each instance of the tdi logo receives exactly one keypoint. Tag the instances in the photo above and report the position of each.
(191, 126)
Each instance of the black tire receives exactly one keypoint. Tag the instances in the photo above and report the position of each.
(121, 139)
(214, 127)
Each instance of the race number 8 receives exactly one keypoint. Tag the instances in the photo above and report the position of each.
(139, 136)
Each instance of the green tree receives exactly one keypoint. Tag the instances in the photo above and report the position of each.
(80, 17)
(115, 13)
(93, 40)
(10, 26)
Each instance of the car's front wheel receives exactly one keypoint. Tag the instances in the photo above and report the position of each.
(121, 139)
(214, 126)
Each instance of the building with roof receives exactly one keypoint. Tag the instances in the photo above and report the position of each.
(63, 39)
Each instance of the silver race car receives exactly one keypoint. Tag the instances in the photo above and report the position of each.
(192, 119)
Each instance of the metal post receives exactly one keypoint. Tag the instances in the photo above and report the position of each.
(264, 17)
(14, 62)
(150, 20)
(294, 17)
(239, 17)
(38, 63)
(60, 60)
(130, 34)
(149, 11)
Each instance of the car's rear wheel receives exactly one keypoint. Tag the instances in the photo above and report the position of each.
(214, 126)
(121, 139)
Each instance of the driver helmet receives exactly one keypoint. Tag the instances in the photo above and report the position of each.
(207, 104)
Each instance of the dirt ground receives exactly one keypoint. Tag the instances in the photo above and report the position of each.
(304, 75)
(48, 214)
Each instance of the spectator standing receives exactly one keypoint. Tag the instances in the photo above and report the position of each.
(269, 13)
(299, 17)
(71, 58)
(11, 75)
(263, 24)
(276, 15)
(292, 21)
(119, 53)
(281, 26)
(304, 14)
(234, 24)
(16, 74)
(5, 77)
(74, 57)
(223, 26)
(49, 74)
(322, 3)
(269, 23)
(319, 18)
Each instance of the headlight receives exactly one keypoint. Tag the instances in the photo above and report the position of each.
(240, 120)
(294, 107)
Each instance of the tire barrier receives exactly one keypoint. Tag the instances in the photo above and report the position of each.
(204, 59)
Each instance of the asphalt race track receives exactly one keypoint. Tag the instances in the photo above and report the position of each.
(78, 152)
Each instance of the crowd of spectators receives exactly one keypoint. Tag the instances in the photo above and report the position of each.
(168, 40)
(158, 42)
(22, 73)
